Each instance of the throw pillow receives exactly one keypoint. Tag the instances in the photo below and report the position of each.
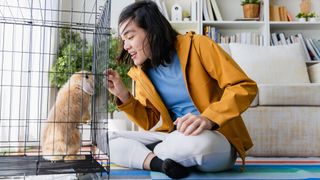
(272, 64)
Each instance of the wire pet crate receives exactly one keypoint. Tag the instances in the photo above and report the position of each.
(42, 44)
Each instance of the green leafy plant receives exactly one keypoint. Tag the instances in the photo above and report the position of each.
(186, 14)
(74, 55)
(302, 15)
(243, 2)
(311, 15)
(121, 68)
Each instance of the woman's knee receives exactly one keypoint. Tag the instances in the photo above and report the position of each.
(203, 143)
(217, 161)
(190, 150)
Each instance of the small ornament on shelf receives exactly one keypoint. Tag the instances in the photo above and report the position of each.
(305, 6)
(312, 17)
(186, 15)
(251, 8)
(305, 14)
(302, 17)
(176, 12)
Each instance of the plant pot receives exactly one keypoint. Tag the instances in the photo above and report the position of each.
(302, 19)
(251, 10)
(312, 19)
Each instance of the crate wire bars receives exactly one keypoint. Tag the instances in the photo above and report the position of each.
(29, 46)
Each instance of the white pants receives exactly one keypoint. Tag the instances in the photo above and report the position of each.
(209, 151)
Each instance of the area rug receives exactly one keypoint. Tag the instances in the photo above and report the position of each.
(256, 168)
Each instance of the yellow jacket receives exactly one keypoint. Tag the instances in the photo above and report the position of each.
(218, 87)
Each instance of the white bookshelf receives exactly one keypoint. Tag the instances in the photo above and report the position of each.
(232, 9)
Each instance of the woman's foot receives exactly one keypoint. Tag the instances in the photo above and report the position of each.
(174, 170)
(171, 168)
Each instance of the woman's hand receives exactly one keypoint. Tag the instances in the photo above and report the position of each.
(115, 85)
(191, 124)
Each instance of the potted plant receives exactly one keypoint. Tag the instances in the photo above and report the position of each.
(312, 17)
(302, 17)
(251, 8)
(186, 15)
(74, 55)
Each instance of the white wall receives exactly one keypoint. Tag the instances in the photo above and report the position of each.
(116, 8)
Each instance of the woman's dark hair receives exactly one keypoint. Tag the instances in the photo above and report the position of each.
(160, 34)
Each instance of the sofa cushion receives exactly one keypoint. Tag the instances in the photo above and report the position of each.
(293, 94)
(272, 64)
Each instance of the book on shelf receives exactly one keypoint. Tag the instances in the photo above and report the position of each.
(216, 10)
(205, 11)
(315, 54)
(314, 47)
(282, 14)
(303, 43)
(194, 10)
(279, 13)
(210, 11)
(241, 37)
(289, 16)
(282, 38)
(274, 39)
(316, 42)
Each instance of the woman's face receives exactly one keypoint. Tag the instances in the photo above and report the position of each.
(135, 42)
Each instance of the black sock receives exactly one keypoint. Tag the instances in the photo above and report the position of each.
(156, 164)
(169, 167)
(152, 145)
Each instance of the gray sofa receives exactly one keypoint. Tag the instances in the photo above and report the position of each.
(284, 119)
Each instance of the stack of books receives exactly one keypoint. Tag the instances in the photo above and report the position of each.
(211, 11)
(311, 46)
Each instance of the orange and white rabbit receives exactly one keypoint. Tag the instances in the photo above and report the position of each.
(60, 138)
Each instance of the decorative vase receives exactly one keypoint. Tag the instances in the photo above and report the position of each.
(251, 10)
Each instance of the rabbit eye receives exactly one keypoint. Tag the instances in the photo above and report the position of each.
(87, 77)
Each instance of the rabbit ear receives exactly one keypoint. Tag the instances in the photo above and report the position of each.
(87, 87)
